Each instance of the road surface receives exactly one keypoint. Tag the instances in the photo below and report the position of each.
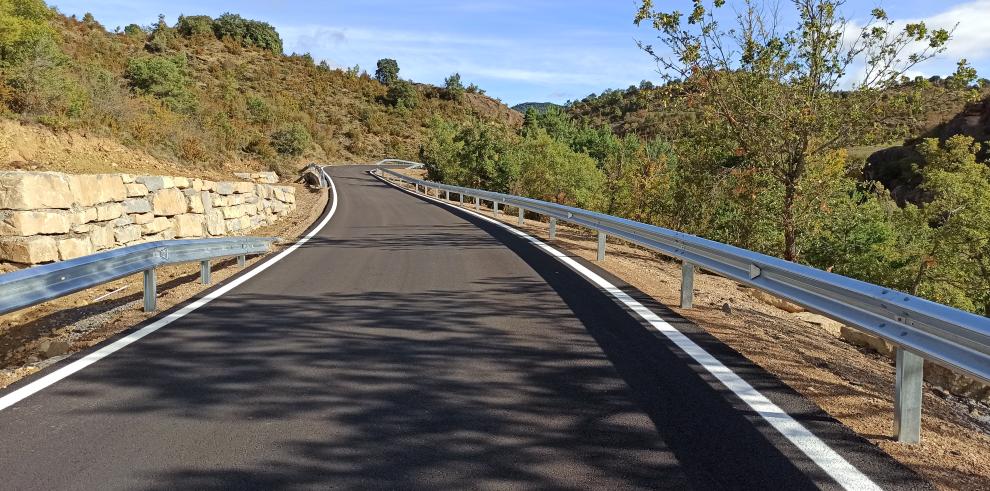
(410, 345)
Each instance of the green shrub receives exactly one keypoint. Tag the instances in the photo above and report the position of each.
(195, 25)
(403, 94)
(23, 27)
(248, 32)
(259, 110)
(163, 77)
(134, 30)
(292, 139)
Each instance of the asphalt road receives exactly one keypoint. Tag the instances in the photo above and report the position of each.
(413, 346)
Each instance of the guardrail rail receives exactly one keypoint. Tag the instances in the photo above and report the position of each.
(919, 328)
(34, 285)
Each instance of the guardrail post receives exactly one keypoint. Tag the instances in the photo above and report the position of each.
(522, 220)
(601, 245)
(204, 272)
(477, 203)
(494, 208)
(907, 396)
(553, 228)
(687, 285)
(461, 195)
(446, 195)
(241, 260)
(150, 290)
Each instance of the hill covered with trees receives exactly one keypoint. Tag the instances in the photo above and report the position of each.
(766, 148)
(204, 91)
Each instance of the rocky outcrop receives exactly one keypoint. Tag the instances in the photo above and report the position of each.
(50, 216)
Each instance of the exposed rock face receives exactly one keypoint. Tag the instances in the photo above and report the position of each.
(49, 216)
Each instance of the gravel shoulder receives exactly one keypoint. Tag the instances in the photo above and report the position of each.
(853, 385)
(36, 337)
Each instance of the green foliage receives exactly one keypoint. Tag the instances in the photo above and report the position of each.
(453, 88)
(160, 38)
(134, 30)
(248, 32)
(195, 25)
(292, 139)
(551, 171)
(387, 72)
(24, 28)
(258, 110)
(776, 89)
(474, 89)
(956, 269)
(163, 77)
(402, 94)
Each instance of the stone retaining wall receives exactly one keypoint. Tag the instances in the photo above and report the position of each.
(50, 216)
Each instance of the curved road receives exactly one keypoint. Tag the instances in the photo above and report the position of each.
(410, 345)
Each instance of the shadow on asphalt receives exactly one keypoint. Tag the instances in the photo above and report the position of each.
(437, 389)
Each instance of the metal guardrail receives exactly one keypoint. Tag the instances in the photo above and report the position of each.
(920, 329)
(34, 285)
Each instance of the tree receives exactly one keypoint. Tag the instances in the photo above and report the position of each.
(24, 28)
(777, 91)
(956, 267)
(549, 170)
(441, 152)
(453, 88)
(388, 71)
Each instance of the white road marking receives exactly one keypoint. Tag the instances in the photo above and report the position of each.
(844, 473)
(43, 382)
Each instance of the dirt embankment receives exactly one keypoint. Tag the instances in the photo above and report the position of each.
(852, 384)
(36, 148)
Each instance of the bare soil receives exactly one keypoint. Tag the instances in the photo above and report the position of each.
(32, 147)
(33, 338)
(853, 385)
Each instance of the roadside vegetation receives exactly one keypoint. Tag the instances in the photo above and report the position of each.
(748, 140)
(205, 91)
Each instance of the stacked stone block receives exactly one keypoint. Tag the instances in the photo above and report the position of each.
(50, 216)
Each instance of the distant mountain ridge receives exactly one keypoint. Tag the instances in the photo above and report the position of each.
(539, 106)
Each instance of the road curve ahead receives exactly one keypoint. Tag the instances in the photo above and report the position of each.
(410, 345)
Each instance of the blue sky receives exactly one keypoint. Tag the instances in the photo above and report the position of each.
(518, 50)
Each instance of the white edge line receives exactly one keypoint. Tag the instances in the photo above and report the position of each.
(43, 382)
(844, 473)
